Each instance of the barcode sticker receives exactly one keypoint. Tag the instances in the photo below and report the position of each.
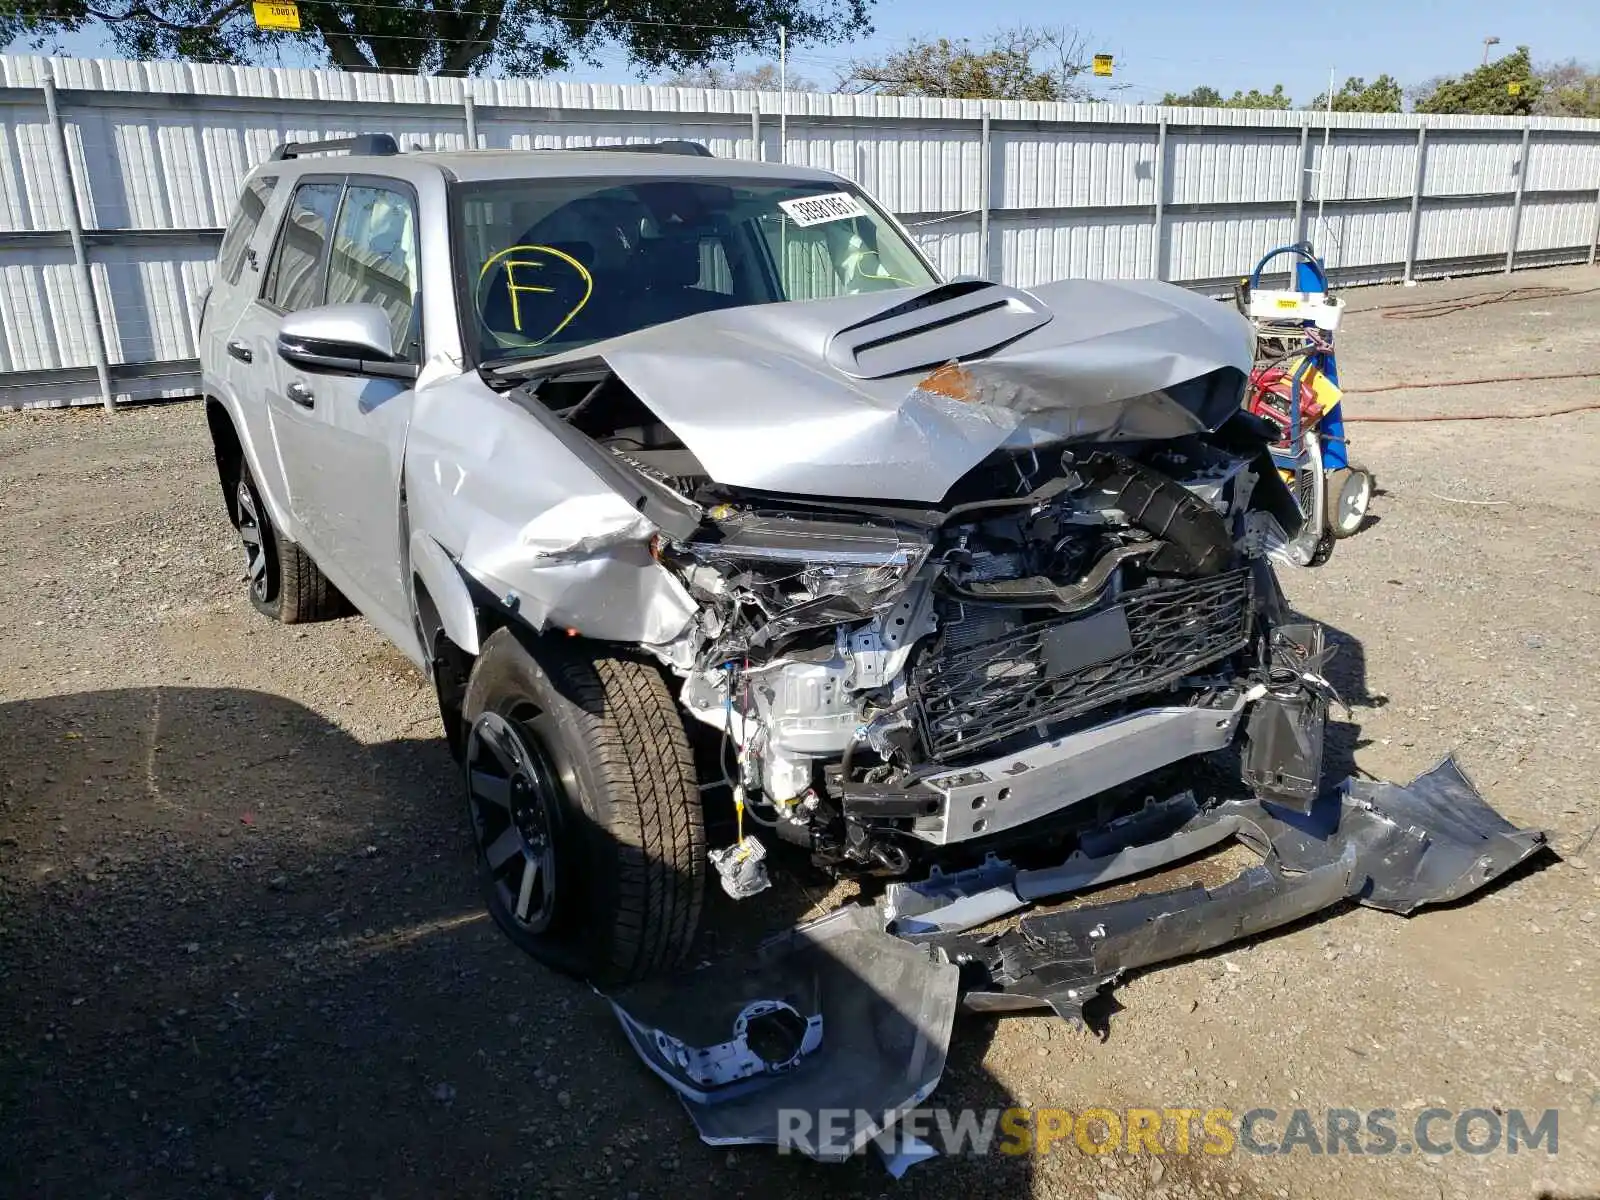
(817, 210)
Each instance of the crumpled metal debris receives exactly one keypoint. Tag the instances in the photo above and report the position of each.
(835, 397)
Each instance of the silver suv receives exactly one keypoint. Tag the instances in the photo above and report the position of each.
(695, 490)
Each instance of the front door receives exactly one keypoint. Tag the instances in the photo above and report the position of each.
(342, 437)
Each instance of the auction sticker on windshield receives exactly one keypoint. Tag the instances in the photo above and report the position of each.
(817, 210)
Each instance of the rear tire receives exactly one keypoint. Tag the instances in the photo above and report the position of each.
(587, 825)
(284, 583)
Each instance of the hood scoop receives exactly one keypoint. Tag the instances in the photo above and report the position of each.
(951, 321)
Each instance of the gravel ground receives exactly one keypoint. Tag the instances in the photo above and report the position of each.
(240, 954)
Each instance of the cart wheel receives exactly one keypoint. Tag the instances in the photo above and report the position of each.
(1349, 498)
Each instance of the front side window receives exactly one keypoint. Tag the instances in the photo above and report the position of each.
(294, 278)
(374, 257)
(236, 241)
(550, 265)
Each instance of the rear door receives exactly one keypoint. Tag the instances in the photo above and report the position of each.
(342, 437)
(290, 278)
(229, 327)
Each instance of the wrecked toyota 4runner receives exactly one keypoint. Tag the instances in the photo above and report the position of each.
(688, 481)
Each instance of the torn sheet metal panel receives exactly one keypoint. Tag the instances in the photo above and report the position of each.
(1384, 845)
(846, 1017)
(556, 543)
(755, 393)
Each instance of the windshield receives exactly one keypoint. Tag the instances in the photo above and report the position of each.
(559, 263)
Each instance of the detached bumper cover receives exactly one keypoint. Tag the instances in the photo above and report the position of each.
(1382, 845)
(854, 1012)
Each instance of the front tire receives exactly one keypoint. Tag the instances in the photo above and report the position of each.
(587, 825)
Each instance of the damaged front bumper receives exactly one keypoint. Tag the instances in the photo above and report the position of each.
(868, 995)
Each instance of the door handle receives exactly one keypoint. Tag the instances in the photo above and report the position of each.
(240, 351)
(301, 394)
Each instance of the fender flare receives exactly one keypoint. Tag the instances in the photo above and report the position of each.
(438, 574)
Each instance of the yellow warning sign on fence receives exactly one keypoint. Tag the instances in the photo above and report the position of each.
(1102, 64)
(277, 15)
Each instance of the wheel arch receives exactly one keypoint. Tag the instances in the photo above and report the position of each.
(228, 450)
(233, 447)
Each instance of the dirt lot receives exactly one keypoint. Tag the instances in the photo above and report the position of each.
(240, 954)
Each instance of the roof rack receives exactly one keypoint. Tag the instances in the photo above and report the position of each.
(670, 146)
(362, 143)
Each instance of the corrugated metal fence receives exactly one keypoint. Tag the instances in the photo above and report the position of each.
(117, 177)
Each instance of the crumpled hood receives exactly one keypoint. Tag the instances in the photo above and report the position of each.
(860, 396)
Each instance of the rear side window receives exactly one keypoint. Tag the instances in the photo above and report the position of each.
(374, 257)
(236, 241)
(294, 280)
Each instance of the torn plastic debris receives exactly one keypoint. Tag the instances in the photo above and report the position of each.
(833, 1015)
(1384, 845)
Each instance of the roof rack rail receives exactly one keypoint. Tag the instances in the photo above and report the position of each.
(670, 146)
(362, 143)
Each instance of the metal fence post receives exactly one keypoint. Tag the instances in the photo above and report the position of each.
(1300, 181)
(1594, 238)
(1414, 231)
(1516, 202)
(757, 150)
(985, 197)
(1160, 176)
(471, 108)
(80, 252)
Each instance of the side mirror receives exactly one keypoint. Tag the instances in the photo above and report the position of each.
(342, 339)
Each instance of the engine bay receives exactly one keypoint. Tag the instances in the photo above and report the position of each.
(852, 659)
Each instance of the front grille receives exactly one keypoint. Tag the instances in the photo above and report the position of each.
(983, 693)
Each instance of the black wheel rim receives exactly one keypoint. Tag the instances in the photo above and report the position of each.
(255, 549)
(514, 793)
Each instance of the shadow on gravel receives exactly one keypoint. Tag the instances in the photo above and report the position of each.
(1347, 670)
(242, 954)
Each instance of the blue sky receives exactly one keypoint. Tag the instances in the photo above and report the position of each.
(1163, 45)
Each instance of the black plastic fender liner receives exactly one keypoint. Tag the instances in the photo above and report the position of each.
(1431, 841)
(1063, 960)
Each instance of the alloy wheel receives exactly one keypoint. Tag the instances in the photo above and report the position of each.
(514, 795)
(255, 549)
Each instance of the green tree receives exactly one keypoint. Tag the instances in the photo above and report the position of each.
(1506, 87)
(1024, 63)
(1205, 97)
(1382, 95)
(1200, 97)
(1568, 89)
(755, 79)
(451, 37)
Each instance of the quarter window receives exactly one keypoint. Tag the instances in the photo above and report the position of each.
(374, 257)
(294, 280)
(242, 229)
